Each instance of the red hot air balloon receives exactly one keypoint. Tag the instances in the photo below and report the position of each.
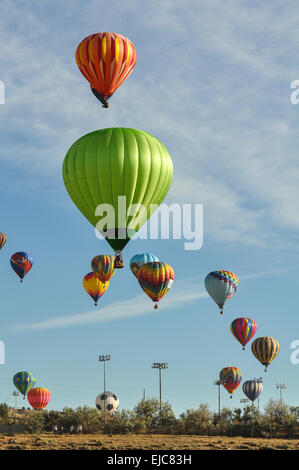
(105, 60)
(243, 329)
(21, 263)
(38, 397)
(231, 377)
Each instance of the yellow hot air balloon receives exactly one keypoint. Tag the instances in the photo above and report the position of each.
(94, 286)
(265, 349)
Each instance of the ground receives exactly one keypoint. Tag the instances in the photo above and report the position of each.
(144, 442)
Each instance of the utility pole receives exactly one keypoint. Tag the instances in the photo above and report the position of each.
(103, 358)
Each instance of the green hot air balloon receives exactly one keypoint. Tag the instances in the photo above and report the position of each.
(117, 177)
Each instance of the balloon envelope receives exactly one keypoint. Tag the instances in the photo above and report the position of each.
(107, 402)
(21, 262)
(221, 286)
(103, 267)
(156, 279)
(94, 286)
(122, 173)
(39, 397)
(105, 60)
(139, 260)
(243, 329)
(252, 389)
(2, 239)
(265, 349)
(23, 381)
(232, 377)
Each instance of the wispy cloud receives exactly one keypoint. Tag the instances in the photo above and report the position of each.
(184, 292)
(216, 93)
(137, 306)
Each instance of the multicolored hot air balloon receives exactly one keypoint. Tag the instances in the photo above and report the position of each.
(39, 397)
(232, 377)
(122, 173)
(221, 286)
(105, 60)
(103, 267)
(156, 279)
(23, 381)
(243, 330)
(94, 286)
(252, 389)
(139, 260)
(265, 350)
(21, 263)
(2, 239)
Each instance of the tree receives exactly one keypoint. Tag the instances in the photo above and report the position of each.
(148, 412)
(197, 421)
(3, 413)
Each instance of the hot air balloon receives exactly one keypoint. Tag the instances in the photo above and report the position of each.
(105, 60)
(107, 402)
(2, 240)
(252, 389)
(39, 397)
(265, 349)
(23, 381)
(117, 178)
(232, 377)
(21, 263)
(156, 279)
(94, 286)
(221, 286)
(243, 330)
(139, 260)
(103, 267)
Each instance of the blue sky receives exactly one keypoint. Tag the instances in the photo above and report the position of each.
(212, 82)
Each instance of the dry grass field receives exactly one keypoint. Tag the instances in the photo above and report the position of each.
(144, 442)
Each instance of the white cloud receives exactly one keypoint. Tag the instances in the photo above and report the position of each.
(213, 86)
(140, 305)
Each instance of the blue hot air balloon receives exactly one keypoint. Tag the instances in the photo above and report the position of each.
(21, 263)
(221, 286)
(24, 382)
(139, 260)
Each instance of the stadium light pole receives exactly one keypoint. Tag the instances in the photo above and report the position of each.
(260, 381)
(103, 358)
(160, 366)
(219, 382)
(281, 387)
(16, 394)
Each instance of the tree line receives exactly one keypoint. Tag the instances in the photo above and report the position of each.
(277, 420)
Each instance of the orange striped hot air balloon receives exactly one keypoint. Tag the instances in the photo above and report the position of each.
(38, 397)
(105, 60)
(2, 240)
(156, 279)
